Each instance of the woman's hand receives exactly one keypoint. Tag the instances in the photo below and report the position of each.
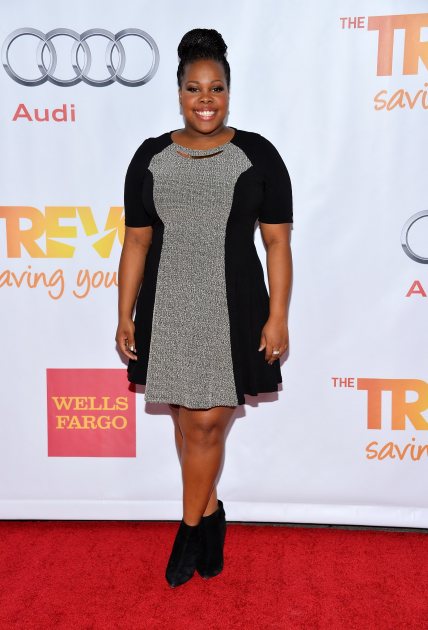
(274, 336)
(125, 338)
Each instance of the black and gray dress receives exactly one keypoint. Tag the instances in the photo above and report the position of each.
(203, 300)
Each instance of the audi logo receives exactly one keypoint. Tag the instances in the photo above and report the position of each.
(80, 43)
(405, 237)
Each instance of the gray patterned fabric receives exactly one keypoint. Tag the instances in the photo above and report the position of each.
(190, 354)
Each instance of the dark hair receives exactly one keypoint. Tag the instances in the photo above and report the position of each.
(202, 43)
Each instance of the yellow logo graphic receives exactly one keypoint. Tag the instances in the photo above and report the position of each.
(391, 31)
(26, 226)
(414, 49)
(401, 409)
(408, 403)
(414, 55)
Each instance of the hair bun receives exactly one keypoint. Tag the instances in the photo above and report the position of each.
(202, 42)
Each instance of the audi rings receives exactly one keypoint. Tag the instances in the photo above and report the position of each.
(80, 43)
(405, 237)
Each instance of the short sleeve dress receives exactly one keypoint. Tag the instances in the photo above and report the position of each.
(203, 300)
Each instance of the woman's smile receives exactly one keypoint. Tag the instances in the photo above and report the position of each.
(205, 114)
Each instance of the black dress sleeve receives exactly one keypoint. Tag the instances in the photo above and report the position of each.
(136, 215)
(277, 206)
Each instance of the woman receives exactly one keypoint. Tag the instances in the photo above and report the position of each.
(203, 314)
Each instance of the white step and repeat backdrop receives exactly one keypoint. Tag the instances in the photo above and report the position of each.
(341, 88)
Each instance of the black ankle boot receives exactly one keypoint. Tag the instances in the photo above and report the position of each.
(212, 535)
(185, 550)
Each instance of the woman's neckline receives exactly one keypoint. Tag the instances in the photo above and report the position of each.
(190, 150)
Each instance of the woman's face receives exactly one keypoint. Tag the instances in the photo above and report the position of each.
(204, 95)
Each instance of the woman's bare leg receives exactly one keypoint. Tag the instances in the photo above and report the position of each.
(177, 431)
(203, 434)
(212, 503)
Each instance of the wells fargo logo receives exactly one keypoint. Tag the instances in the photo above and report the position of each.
(413, 55)
(91, 413)
(399, 414)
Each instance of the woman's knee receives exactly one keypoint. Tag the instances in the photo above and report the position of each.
(204, 431)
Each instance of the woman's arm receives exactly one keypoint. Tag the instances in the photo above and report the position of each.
(279, 267)
(130, 276)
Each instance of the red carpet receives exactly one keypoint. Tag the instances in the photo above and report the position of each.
(104, 575)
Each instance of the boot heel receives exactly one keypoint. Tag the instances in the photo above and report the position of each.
(212, 535)
(185, 551)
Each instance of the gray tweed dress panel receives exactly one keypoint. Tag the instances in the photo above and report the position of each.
(190, 359)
